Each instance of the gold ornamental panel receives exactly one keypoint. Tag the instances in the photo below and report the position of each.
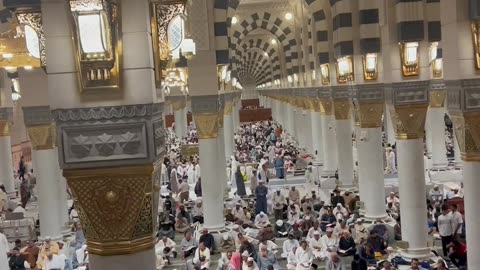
(43, 137)
(207, 125)
(117, 207)
(342, 109)
(409, 121)
(178, 105)
(467, 132)
(228, 108)
(326, 107)
(220, 119)
(369, 115)
(4, 128)
(437, 99)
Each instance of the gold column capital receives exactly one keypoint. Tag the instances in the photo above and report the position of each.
(4, 128)
(369, 114)
(342, 109)
(178, 105)
(207, 125)
(467, 131)
(437, 99)
(117, 207)
(228, 108)
(220, 119)
(409, 120)
(42, 137)
(326, 106)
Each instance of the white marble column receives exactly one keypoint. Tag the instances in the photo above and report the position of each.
(48, 188)
(6, 164)
(344, 152)
(228, 135)
(211, 190)
(222, 161)
(185, 122)
(179, 122)
(317, 136)
(299, 127)
(291, 121)
(140, 260)
(412, 190)
(388, 126)
(329, 145)
(428, 135)
(437, 134)
(456, 149)
(307, 129)
(370, 172)
(471, 171)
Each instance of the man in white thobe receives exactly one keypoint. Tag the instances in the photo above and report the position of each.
(304, 257)
(54, 262)
(392, 162)
(340, 212)
(261, 220)
(289, 245)
(316, 244)
(292, 259)
(4, 249)
(197, 171)
(329, 244)
(238, 212)
(293, 214)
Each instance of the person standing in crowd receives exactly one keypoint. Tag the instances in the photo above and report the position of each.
(261, 192)
(445, 228)
(239, 182)
(21, 169)
(278, 204)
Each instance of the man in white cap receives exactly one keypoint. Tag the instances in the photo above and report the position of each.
(294, 196)
(250, 264)
(238, 212)
(393, 199)
(361, 232)
(340, 212)
(281, 229)
(316, 244)
(293, 213)
(329, 243)
(197, 211)
(278, 201)
(261, 220)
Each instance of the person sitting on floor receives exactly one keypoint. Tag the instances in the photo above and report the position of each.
(261, 220)
(281, 229)
(346, 245)
(189, 244)
(197, 212)
(289, 245)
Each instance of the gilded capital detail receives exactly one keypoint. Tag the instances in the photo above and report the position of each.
(4, 128)
(342, 109)
(117, 207)
(42, 137)
(467, 131)
(326, 107)
(369, 115)
(409, 120)
(207, 125)
(437, 99)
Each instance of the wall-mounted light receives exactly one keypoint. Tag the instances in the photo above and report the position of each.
(234, 20)
(295, 77)
(435, 60)
(325, 74)
(288, 16)
(409, 56)
(370, 66)
(290, 79)
(314, 75)
(273, 41)
(344, 68)
(476, 42)
(97, 35)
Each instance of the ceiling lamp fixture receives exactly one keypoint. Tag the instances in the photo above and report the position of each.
(97, 35)
(370, 66)
(409, 55)
(273, 41)
(288, 16)
(234, 20)
(345, 69)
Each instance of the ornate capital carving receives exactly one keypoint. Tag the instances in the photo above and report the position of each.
(437, 99)
(179, 105)
(342, 109)
(42, 137)
(369, 115)
(207, 125)
(467, 131)
(228, 108)
(117, 207)
(326, 106)
(4, 128)
(110, 136)
(409, 120)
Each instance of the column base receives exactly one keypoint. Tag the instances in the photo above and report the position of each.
(439, 167)
(458, 165)
(419, 253)
(53, 237)
(386, 220)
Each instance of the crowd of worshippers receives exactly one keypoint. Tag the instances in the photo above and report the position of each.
(266, 139)
(47, 254)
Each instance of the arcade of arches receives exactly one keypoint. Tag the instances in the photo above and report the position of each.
(100, 100)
